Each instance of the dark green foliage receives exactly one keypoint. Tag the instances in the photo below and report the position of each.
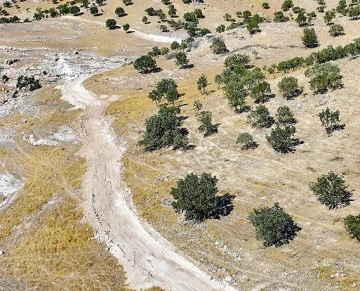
(163, 130)
(181, 60)
(301, 19)
(336, 30)
(287, 4)
(219, 80)
(329, 16)
(329, 119)
(281, 138)
(260, 91)
(172, 11)
(172, 95)
(265, 5)
(218, 46)
(260, 117)
(127, 2)
(126, 27)
(145, 64)
(220, 28)
(110, 23)
(198, 106)
(165, 88)
(174, 45)
(273, 225)
(206, 125)
(94, 10)
(289, 87)
(145, 19)
(27, 82)
(119, 11)
(5, 79)
(331, 191)
(150, 11)
(284, 115)
(323, 77)
(74, 10)
(280, 17)
(195, 196)
(310, 39)
(352, 225)
(235, 94)
(202, 84)
(235, 60)
(246, 141)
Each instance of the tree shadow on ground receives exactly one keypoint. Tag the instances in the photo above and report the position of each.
(330, 130)
(224, 206)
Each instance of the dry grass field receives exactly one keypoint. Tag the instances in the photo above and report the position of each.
(45, 241)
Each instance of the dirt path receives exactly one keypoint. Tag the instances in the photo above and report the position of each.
(148, 259)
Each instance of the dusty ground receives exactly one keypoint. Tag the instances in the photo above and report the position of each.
(321, 256)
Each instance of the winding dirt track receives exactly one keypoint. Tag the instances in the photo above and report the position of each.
(148, 259)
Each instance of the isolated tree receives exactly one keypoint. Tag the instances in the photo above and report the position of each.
(155, 96)
(218, 46)
(145, 64)
(260, 91)
(221, 28)
(329, 119)
(195, 196)
(329, 16)
(163, 130)
(235, 94)
(111, 23)
(206, 125)
(219, 80)
(127, 2)
(181, 60)
(172, 95)
(163, 28)
(301, 19)
(265, 5)
(273, 225)
(289, 87)
(352, 225)
(94, 10)
(246, 141)
(172, 11)
(198, 13)
(126, 27)
(281, 138)
(336, 30)
(74, 10)
(165, 85)
(310, 39)
(119, 11)
(323, 77)
(202, 84)
(174, 45)
(331, 191)
(145, 19)
(259, 117)
(284, 115)
(197, 106)
(287, 4)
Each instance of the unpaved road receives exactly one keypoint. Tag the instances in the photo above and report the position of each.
(148, 259)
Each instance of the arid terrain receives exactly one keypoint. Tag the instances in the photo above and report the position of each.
(84, 207)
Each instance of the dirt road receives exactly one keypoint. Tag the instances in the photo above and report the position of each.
(148, 259)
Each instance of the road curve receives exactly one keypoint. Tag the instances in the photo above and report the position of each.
(148, 259)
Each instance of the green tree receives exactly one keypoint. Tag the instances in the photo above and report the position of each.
(323, 77)
(235, 94)
(284, 115)
(165, 85)
(172, 95)
(126, 27)
(236, 60)
(94, 10)
(221, 28)
(310, 39)
(163, 130)
(198, 106)
(301, 19)
(281, 138)
(74, 10)
(273, 225)
(289, 87)
(260, 91)
(331, 191)
(246, 141)
(287, 4)
(329, 119)
(145, 64)
(127, 2)
(329, 16)
(155, 96)
(265, 5)
(202, 84)
(172, 11)
(260, 117)
(219, 80)
(111, 23)
(218, 46)
(195, 196)
(352, 225)
(336, 30)
(174, 45)
(181, 60)
(145, 19)
(119, 11)
(206, 125)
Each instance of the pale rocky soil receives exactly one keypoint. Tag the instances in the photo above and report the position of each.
(72, 49)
